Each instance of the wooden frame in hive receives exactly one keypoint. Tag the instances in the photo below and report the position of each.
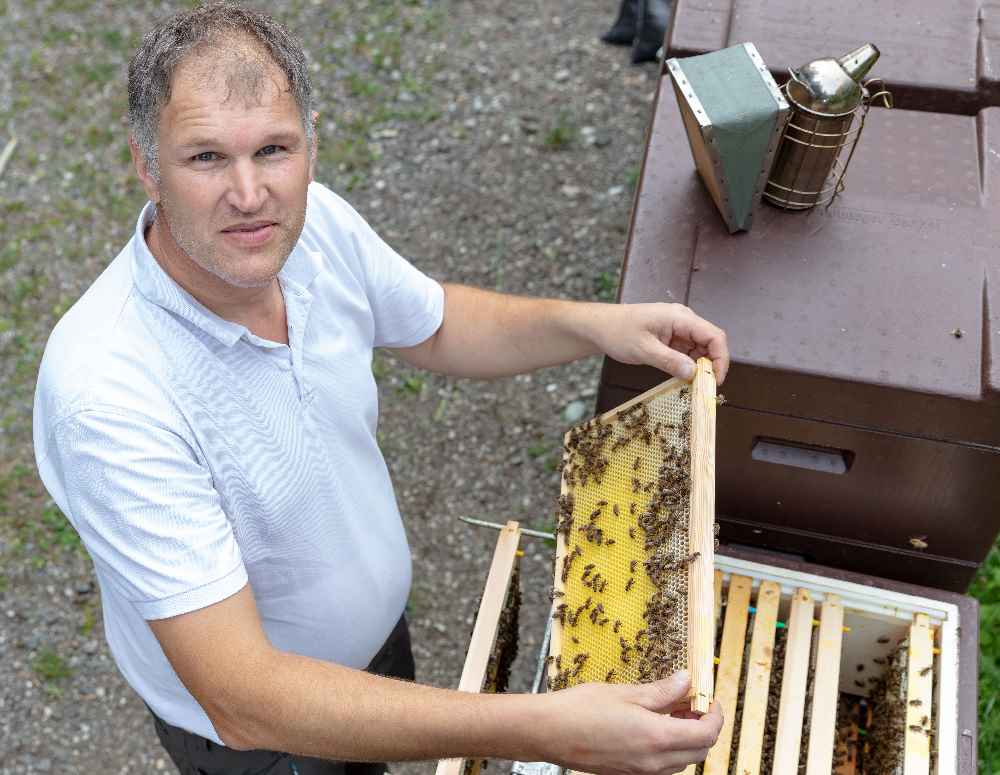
(633, 580)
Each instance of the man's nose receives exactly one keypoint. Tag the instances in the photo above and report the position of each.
(247, 191)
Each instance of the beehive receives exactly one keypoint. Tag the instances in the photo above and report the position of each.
(820, 676)
(632, 591)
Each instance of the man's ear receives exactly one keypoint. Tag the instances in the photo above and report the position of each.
(312, 155)
(142, 170)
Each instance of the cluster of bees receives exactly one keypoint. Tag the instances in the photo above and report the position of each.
(886, 739)
(658, 511)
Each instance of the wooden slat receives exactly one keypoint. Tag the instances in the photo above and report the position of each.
(701, 537)
(823, 719)
(758, 680)
(788, 737)
(727, 684)
(484, 633)
(919, 688)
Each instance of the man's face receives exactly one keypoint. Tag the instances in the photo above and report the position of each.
(234, 167)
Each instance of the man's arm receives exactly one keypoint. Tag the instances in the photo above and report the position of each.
(487, 335)
(260, 697)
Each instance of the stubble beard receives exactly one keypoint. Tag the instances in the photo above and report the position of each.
(205, 253)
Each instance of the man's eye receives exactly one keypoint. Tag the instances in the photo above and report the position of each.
(269, 150)
(205, 156)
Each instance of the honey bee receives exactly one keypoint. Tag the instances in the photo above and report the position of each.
(916, 703)
(616, 626)
(609, 542)
(631, 566)
(610, 676)
(601, 503)
(575, 639)
(926, 670)
(631, 531)
(629, 583)
(636, 464)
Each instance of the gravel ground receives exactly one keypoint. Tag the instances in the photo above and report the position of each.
(494, 144)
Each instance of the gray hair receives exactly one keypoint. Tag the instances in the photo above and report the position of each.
(171, 41)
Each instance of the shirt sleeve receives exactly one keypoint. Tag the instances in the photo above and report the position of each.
(407, 305)
(146, 510)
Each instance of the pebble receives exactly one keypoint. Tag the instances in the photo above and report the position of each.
(574, 412)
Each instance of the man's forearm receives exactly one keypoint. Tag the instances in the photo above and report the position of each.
(316, 708)
(487, 334)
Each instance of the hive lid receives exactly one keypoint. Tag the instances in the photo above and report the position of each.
(734, 115)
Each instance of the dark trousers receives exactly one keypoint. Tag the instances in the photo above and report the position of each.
(196, 755)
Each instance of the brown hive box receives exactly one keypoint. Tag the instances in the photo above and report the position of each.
(863, 416)
(936, 56)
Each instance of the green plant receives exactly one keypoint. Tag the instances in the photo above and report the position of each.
(538, 449)
(562, 134)
(986, 588)
(49, 666)
(413, 385)
(606, 286)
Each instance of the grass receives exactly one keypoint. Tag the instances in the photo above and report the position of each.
(606, 286)
(561, 135)
(986, 588)
(50, 667)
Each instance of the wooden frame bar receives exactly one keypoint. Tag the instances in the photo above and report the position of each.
(484, 632)
(919, 696)
(701, 537)
(788, 738)
(727, 685)
(823, 720)
(748, 754)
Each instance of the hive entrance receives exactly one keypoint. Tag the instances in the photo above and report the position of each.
(635, 543)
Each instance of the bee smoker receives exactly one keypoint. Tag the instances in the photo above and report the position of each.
(825, 96)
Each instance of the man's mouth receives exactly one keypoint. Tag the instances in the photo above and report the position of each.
(249, 234)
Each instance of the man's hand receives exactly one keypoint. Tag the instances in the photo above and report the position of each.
(669, 337)
(628, 730)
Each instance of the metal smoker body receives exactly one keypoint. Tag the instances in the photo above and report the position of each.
(824, 96)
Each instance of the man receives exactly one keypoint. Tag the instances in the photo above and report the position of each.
(205, 417)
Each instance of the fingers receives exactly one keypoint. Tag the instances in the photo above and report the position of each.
(704, 339)
(663, 695)
(676, 364)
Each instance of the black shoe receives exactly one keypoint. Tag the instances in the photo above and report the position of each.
(651, 29)
(622, 32)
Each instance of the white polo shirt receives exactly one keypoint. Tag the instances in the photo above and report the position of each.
(193, 456)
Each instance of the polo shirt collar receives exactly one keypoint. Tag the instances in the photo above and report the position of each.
(158, 287)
